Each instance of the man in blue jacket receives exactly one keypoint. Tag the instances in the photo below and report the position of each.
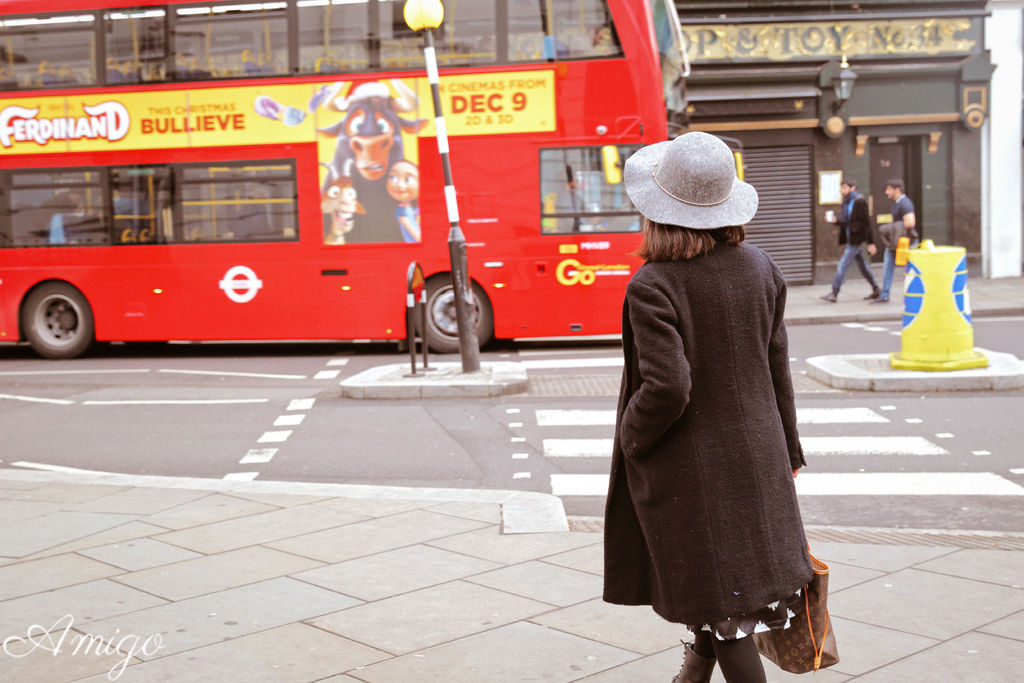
(854, 231)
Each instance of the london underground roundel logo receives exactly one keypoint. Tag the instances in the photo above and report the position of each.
(241, 284)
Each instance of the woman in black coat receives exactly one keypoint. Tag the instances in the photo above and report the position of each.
(702, 521)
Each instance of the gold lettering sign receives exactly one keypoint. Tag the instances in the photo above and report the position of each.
(781, 42)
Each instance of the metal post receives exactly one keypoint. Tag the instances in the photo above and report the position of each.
(469, 347)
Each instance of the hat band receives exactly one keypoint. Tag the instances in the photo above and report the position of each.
(687, 201)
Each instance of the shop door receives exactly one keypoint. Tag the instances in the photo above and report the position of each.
(888, 161)
(782, 225)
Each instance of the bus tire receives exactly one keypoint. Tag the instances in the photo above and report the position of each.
(57, 321)
(442, 327)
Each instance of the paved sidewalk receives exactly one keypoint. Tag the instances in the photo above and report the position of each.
(209, 580)
(1003, 296)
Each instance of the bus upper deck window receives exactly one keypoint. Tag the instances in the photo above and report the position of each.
(221, 41)
(333, 36)
(46, 51)
(136, 46)
(561, 29)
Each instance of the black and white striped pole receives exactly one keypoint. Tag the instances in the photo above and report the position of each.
(423, 16)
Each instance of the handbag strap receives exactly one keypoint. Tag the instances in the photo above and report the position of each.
(810, 627)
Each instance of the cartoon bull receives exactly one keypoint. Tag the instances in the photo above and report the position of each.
(371, 132)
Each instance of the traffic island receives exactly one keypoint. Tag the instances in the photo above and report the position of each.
(874, 372)
(442, 380)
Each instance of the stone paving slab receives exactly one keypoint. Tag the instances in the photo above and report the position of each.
(194, 577)
(215, 507)
(993, 566)
(511, 654)
(637, 629)
(413, 621)
(124, 532)
(507, 549)
(139, 553)
(35, 576)
(36, 534)
(544, 582)
(1010, 627)
(971, 657)
(396, 571)
(228, 614)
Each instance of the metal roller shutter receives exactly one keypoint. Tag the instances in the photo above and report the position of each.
(782, 225)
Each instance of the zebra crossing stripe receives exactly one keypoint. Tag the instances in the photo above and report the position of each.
(572, 418)
(843, 484)
(565, 363)
(837, 415)
(589, 418)
(906, 484)
(577, 448)
(869, 445)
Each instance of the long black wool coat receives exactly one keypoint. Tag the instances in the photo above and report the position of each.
(702, 521)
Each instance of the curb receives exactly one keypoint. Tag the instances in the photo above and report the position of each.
(445, 380)
(872, 372)
(522, 512)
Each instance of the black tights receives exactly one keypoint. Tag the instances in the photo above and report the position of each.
(739, 659)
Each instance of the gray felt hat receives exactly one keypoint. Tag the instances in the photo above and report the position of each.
(689, 181)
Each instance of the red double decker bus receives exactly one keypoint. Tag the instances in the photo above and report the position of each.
(268, 170)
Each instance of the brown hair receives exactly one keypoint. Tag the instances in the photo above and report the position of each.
(664, 242)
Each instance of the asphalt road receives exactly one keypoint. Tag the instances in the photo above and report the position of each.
(272, 411)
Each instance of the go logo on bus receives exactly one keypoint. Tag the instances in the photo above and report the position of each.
(240, 284)
(570, 272)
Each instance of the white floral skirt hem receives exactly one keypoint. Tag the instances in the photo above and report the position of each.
(771, 617)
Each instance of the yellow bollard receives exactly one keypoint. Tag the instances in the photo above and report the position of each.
(937, 332)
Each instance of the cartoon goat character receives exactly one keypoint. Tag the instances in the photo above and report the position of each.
(340, 204)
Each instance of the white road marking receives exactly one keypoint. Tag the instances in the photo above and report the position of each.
(24, 464)
(906, 484)
(572, 418)
(1017, 470)
(579, 484)
(289, 420)
(517, 439)
(35, 399)
(258, 455)
(337, 361)
(943, 435)
(913, 420)
(875, 328)
(887, 407)
(853, 324)
(577, 448)
(844, 484)
(896, 334)
(175, 402)
(301, 403)
(981, 452)
(327, 374)
(11, 373)
(562, 352)
(515, 425)
(275, 437)
(520, 456)
(224, 373)
(572, 363)
(241, 476)
(521, 475)
(869, 445)
(512, 411)
(837, 415)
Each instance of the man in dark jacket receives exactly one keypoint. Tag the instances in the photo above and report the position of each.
(854, 232)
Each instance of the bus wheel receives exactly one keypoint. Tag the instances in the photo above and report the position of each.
(442, 327)
(58, 321)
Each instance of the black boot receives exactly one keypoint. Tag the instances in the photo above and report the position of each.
(832, 296)
(696, 669)
(875, 291)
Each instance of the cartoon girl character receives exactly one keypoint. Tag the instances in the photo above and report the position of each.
(404, 187)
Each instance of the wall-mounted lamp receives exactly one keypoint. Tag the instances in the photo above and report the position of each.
(842, 83)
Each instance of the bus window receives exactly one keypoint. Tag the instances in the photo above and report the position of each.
(560, 29)
(136, 46)
(218, 41)
(576, 195)
(466, 36)
(333, 36)
(140, 197)
(47, 51)
(238, 202)
(57, 207)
